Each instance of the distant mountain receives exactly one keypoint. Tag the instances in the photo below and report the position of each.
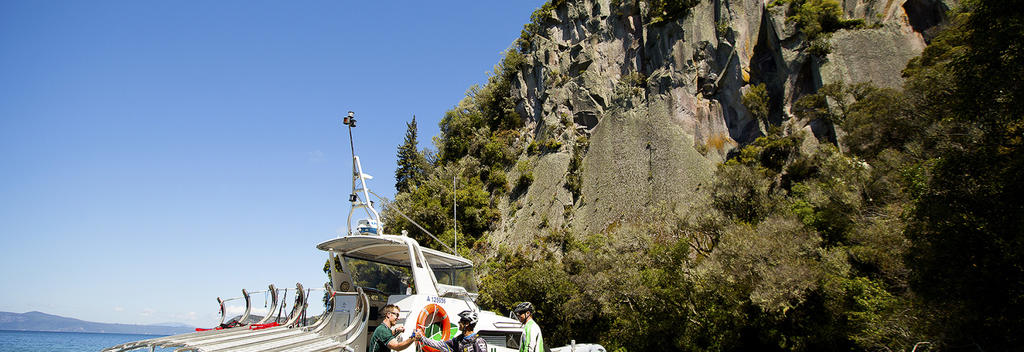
(38, 321)
(172, 324)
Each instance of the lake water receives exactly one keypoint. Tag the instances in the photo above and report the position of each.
(38, 341)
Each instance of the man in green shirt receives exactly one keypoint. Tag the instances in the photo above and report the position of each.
(532, 341)
(383, 338)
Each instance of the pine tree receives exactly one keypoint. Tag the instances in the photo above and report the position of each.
(411, 164)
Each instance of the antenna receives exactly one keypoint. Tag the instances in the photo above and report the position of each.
(359, 184)
(455, 206)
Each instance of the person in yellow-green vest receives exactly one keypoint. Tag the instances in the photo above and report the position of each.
(531, 341)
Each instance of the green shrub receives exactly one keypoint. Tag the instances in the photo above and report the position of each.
(430, 204)
(769, 154)
(723, 27)
(879, 121)
(497, 181)
(820, 47)
(525, 169)
(547, 146)
(552, 145)
(538, 19)
(633, 79)
(756, 100)
(574, 176)
(867, 309)
(495, 101)
(499, 151)
(468, 127)
(816, 17)
(701, 148)
(669, 10)
(835, 102)
(816, 106)
(555, 78)
(458, 128)
(544, 13)
(514, 277)
(742, 193)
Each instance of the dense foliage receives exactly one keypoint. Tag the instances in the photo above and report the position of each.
(478, 146)
(905, 232)
(967, 225)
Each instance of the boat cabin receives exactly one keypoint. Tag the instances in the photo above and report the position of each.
(430, 287)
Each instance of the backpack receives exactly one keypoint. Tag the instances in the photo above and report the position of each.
(473, 344)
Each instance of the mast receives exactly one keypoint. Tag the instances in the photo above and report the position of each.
(455, 206)
(359, 183)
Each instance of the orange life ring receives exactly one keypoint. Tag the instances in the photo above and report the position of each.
(432, 314)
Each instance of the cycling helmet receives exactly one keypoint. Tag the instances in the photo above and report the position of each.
(523, 307)
(468, 317)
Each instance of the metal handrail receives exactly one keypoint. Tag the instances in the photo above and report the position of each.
(223, 310)
(281, 340)
(364, 320)
(300, 306)
(352, 322)
(179, 340)
(273, 305)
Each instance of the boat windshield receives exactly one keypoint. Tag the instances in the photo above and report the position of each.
(386, 278)
(457, 277)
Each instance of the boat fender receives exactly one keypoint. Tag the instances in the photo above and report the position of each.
(431, 314)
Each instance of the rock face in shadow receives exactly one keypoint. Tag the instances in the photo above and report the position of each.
(659, 103)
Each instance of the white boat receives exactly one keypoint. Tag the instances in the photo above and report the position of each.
(369, 270)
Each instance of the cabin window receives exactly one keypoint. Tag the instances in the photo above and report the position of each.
(501, 339)
(386, 278)
(457, 277)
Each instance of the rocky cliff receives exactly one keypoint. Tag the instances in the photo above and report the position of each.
(638, 106)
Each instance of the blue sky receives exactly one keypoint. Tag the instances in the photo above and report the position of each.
(157, 154)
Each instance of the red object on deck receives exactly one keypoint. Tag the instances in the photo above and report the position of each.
(262, 326)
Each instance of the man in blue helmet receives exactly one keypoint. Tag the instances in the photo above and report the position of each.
(466, 341)
(532, 341)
